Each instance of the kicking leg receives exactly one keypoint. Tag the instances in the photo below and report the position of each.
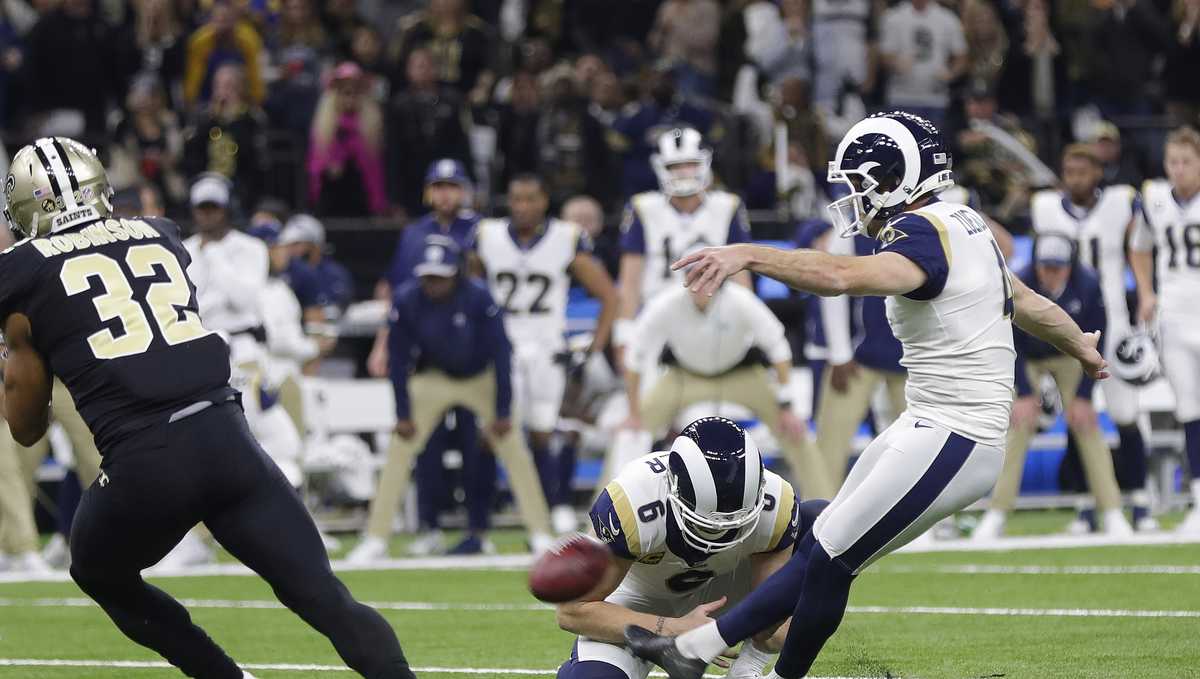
(127, 524)
(270, 531)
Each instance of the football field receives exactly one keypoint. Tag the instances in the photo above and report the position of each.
(1090, 612)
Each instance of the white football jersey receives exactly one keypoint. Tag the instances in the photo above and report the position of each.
(531, 283)
(1100, 236)
(631, 517)
(956, 329)
(1175, 230)
(653, 228)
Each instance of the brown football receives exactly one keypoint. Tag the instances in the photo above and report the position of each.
(572, 568)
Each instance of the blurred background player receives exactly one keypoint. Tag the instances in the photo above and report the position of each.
(449, 334)
(691, 530)
(1170, 225)
(529, 260)
(863, 355)
(448, 195)
(713, 349)
(683, 215)
(1099, 219)
(1057, 275)
(323, 286)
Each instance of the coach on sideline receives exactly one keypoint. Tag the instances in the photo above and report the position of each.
(447, 332)
(716, 346)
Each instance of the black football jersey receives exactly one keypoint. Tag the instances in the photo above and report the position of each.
(114, 314)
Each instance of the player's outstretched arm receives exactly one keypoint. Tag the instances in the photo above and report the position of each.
(1048, 322)
(813, 271)
(27, 383)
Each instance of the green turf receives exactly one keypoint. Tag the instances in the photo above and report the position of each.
(867, 645)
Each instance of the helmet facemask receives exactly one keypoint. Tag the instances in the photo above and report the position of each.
(854, 212)
(678, 179)
(718, 531)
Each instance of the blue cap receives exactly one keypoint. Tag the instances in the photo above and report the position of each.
(447, 170)
(268, 232)
(440, 258)
(1053, 249)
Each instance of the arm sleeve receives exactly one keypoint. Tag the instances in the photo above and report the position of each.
(615, 522)
(739, 226)
(766, 329)
(633, 236)
(650, 332)
(927, 244)
(496, 338)
(400, 345)
(835, 313)
(1094, 317)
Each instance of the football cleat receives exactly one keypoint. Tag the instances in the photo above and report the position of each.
(370, 549)
(662, 651)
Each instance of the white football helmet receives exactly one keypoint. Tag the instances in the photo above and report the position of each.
(1135, 359)
(682, 165)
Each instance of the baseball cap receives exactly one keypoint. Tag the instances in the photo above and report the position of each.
(440, 258)
(447, 170)
(1106, 130)
(210, 189)
(1053, 250)
(302, 229)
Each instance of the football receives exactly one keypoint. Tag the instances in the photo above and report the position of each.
(570, 569)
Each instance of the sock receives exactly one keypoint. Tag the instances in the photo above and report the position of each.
(1191, 442)
(751, 662)
(772, 601)
(704, 643)
(1130, 462)
(818, 614)
(564, 473)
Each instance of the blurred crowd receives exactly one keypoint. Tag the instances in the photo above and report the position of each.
(336, 107)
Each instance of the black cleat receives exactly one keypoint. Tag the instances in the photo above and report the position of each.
(661, 651)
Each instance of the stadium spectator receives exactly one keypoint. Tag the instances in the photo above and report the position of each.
(146, 143)
(141, 200)
(805, 125)
(573, 155)
(366, 50)
(685, 36)
(636, 129)
(158, 41)
(229, 136)
(784, 48)
(605, 97)
(12, 58)
(1182, 64)
(342, 23)
(1034, 79)
(1128, 37)
(518, 124)
(924, 50)
(1057, 274)
(223, 39)
(1120, 166)
(71, 70)
(447, 345)
(844, 46)
(299, 26)
(458, 43)
(323, 286)
(987, 41)
(345, 154)
(425, 122)
(588, 213)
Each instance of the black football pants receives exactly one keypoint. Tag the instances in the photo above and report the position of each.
(207, 467)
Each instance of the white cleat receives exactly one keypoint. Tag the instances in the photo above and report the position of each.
(28, 562)
(191, 551)
(563, 519)
(371, 549)
(540, 543)
(57, 552)
(427, 544)
(990, 527)
(1191, 523)
(1078, 527)
(1116, 525)
(1147, 524)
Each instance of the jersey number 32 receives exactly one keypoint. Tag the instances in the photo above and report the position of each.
(164, 299)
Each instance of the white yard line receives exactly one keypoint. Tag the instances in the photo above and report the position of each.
(290, 667)
(986, 569)
(81, 602)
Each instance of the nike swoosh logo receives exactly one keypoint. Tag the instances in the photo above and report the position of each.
(922, 425)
